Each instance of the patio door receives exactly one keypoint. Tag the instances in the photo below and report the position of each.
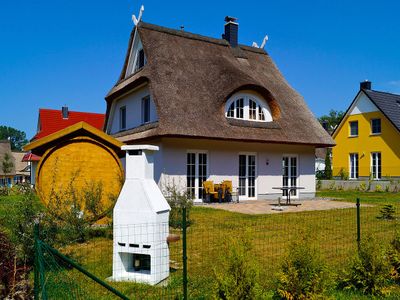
(196, 173)
(289, 174)
(247, 176)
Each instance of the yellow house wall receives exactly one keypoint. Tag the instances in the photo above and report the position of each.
(387, 143)
(78, 163)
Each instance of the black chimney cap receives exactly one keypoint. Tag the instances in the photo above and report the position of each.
(365, 85)
(230, 19)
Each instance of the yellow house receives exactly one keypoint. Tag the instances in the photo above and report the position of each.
(77, 160)
(368, 137)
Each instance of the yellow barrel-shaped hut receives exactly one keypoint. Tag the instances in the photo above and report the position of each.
(79, 170)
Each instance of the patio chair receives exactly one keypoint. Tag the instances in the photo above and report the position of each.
(209, 191)
(227, 190)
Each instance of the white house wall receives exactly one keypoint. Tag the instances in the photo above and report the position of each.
(133, 104)
(223, 164)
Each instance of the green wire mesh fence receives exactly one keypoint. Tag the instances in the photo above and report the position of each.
(203, 243)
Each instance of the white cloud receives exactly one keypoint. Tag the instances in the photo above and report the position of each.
(394, 83)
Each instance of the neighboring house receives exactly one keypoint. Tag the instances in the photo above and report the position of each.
(368, 136)
(53, 120)
(217, 110)
(78, 156)
(19, 172)
(320, 155)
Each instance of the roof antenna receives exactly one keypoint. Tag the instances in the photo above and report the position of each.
(255, 45)
(136, 21)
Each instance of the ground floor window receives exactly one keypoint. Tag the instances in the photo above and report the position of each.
(247, 175)
(289, 174)
(196, 173)
(353, 165)
(376, 165)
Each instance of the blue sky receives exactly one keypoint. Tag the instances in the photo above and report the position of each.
(71, 52)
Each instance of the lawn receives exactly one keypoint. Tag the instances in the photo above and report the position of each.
(333, 232)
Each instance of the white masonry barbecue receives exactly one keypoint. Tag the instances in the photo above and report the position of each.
(140, 218)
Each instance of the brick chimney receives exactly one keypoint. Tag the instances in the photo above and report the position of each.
(365, 85)
(231, 31)
(64, 111)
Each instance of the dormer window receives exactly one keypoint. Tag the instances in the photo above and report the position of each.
(248, 107)
(137, 58)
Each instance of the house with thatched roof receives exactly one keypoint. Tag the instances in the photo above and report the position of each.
(218, 110)
(15, 170)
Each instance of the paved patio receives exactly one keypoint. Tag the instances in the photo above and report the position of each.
(255, 207)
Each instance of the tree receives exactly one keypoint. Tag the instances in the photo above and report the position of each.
(332, 119)
(17, 137)
(328, 165)
(7, 165)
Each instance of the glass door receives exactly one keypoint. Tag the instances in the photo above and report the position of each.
(196, 173)
(376, 169)
(353, 165)
(289, 174)
(247, 176)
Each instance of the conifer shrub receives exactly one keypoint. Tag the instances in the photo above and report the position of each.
(236, 273)
(303, 274)
(369, 271)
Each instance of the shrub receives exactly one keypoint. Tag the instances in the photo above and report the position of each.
(387, 212)
(363, 186)
(319, 184)
(394, 256)
(369, 271)
(378, 188)
(343, 174)
(303, 274)
(177, 200)
(236, 273)
(21, 222)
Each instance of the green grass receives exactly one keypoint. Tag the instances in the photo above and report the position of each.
(334, 231)
(365, 197)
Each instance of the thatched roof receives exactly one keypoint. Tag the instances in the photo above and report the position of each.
(190, 78)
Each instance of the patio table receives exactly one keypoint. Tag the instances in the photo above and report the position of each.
(289, 189)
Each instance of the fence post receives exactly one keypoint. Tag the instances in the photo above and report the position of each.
(36, 260)
(184, 254)
(358, 223)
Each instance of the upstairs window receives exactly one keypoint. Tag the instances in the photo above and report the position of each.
(353, 128)
(376, 126)
(146, 109)
(122, 118)
(140, 60)
(248, 107)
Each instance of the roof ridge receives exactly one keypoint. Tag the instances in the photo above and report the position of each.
(375, 91)
(196, 36)
(70, 111)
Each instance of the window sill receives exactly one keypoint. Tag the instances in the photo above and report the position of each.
(353, 136)
(375, 134)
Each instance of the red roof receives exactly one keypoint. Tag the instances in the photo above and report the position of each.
(30, 157)
(51, 120)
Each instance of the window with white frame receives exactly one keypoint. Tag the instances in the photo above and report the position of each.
(248, 107)
(353, 128)
(376, 126)
(353, 165)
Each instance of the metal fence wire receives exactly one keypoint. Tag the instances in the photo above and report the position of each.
(85, 271)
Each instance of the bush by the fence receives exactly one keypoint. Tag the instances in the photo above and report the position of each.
(303, 275)
(369, 271)
(236, 273)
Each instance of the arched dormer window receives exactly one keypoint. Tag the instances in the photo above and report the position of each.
(246, 106)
